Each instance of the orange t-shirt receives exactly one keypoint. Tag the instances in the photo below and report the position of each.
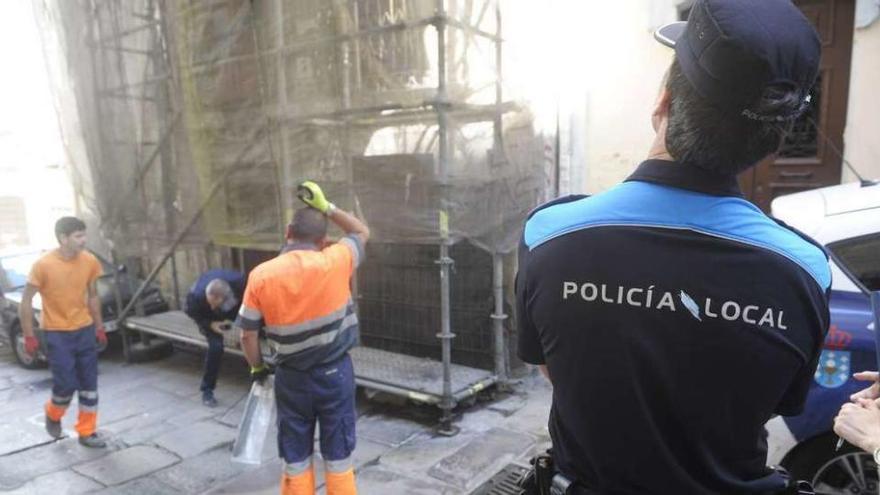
(63, 287)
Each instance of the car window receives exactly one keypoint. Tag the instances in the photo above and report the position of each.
(861, 257)
(15, 269)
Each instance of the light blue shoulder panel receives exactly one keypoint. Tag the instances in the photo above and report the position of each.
(642, 204)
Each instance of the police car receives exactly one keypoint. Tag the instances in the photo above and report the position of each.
(846, 220)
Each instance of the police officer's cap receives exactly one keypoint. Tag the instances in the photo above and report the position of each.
(731, 50)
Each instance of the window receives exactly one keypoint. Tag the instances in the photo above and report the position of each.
(13, 223)
(803, 139)
(861, 257)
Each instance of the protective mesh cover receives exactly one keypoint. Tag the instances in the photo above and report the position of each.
(223, 106)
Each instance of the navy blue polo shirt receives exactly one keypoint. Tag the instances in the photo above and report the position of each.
(675, 319)
(197, 306)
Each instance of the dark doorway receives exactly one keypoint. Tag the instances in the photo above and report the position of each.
(811, 154)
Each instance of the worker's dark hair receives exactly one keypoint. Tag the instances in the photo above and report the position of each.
(68, 225)
(702, 135)
(308, 225)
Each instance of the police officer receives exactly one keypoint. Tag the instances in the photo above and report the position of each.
(213, 303)
(671, 315)
(303, 300)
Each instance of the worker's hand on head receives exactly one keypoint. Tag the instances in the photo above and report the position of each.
(31, 345)
(312, 195)
(259, 373)
(859, 424)
(101, 335)
(873, 391)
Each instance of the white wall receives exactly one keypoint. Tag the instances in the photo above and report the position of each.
(598, 62)
(47, 195)
(862, 134)
(31, 155)
(628, 68)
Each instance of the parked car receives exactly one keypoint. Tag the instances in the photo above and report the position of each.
(14, 269)
(846, 220)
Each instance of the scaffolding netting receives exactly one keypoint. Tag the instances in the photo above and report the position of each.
(396, 107)
(189, 123)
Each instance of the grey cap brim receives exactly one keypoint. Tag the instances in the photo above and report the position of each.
(668, 34)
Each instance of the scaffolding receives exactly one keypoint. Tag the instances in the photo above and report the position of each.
(199, 118)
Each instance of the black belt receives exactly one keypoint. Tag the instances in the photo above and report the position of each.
(544, 479)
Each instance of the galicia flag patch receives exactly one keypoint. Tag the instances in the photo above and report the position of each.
(834, 368)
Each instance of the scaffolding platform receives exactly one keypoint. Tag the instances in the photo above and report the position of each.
(178, 327)
(417, 379)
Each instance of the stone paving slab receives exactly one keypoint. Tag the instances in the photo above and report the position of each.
(232, 389)
(367, 451)
(22, 401)
(197, 438)
(388, 430)
(17, 433)
(120, 378)
(197, 474)
(424, 451)
(533, 416)
(232, 415)
(481, 457)
(480, 420)
(16, 469)
(132, 429)
(181, 382)
(262, 480)
(148, 425)
(508, 405)
(379, 480)
(127, 464)
(119, 406)
(143, 434)
(195, 412)
(60, 482)
(142, 486)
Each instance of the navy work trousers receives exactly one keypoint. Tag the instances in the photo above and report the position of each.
(213, 358)
(73, 360)
(324, 394)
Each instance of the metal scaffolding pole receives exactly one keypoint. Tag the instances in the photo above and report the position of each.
(286, 188)
(498, 316)
(160, 61)
(448, 403)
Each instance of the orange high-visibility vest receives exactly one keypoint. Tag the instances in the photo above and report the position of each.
(303, 300)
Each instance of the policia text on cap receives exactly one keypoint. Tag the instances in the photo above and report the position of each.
(671, 315)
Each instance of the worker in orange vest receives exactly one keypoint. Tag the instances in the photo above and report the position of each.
(303, 300)
(66, 279)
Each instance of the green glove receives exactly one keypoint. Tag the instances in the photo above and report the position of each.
(312, 195)
(259, 373)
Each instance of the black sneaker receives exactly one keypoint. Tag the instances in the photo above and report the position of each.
(93, 441)
(208, 399)
(53, 428)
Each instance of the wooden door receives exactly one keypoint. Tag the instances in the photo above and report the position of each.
(810, 157)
